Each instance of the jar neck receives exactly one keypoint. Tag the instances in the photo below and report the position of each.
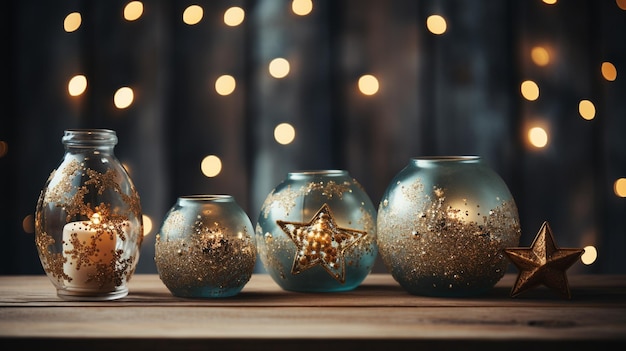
(196, 199)
(99, 139)
(315, 174)
(438, 161)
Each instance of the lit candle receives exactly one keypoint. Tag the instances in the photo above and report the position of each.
(87, 246)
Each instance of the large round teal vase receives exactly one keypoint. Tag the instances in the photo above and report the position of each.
(317, 232)
(443, 224)
(205, 247)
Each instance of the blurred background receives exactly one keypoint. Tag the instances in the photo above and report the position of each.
(226, 97)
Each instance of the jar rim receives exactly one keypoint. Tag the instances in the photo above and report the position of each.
(207, 198)
(318, 172)
(461, 158)
(86, 137)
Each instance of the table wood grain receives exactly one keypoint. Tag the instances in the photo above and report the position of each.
(379, 314)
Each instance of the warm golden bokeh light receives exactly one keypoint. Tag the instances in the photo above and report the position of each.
(279, 68)
(133, 10)
(621, 4)
(234, 16)
(302, 7)
(550, 2)
(123, 97)
(284, 133)
(28, 224)
(609, 72)
(530, 90)
(538, 137)
(590, 255)
(586, 109)
(147, 224)
(619, 187)
(436, 24)
(4, 148)
(77, 85)
(368, 84)
(225, 85)
(211, 166)
(193, 14)
(72, 22)
(540, 56)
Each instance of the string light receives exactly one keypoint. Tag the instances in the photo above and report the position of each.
(368, 84)
(193, 15)
(211, 166)
(609, 72)
(77, 85)
(133, 10)
(530, 90)
(436, 24)
(234, 16)
(279, 68)
(538, 137)
(589, 256)
(619, 187)
(540, 56)
(586, 109)
(72, 22)
(225, 85)
(302, 7)
(284, 133)
(123, 97)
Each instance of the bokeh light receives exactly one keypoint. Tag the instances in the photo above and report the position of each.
(530, 90)
(28, 224)
(609, 72)
(590, 255)
(193, 14)
(133, 10)
(72, 22)
(621, 4)
(436, 24)
(619, 187)
(279, 67)
(225, 85)
(123, 97)
(211, 166)
(302, 7)
(538, 137)
(368, 84)
(550, 2)
(77, 85)
(284, 133)
(147, 224)
(586, 109)
(4, 148)
(540, 56)
(234, 16)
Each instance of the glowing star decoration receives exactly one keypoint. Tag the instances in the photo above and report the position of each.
(543, 263)
(321, 242)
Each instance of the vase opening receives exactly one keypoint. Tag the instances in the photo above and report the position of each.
(89, 137)
(207, 198)
(430, 160)
(317, 173)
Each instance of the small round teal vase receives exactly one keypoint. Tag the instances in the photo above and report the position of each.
(317, 232)
(205, 247)
(443, 224)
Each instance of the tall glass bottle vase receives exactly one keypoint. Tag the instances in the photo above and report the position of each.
(88, 220)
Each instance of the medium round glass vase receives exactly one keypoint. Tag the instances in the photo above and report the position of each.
(317, 232)
(205, 247)
(88, 221)
(443, 225)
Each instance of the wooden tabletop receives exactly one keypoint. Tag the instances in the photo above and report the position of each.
(379, 314)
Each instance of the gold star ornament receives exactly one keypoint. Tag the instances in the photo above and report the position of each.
(321, 242)
(543, 263)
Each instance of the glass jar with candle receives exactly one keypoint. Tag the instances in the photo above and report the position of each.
(88, 220)
(443, 225)
(205, 247)
(317, 232)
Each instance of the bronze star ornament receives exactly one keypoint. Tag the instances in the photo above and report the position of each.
(321, 242)
(543, 263)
